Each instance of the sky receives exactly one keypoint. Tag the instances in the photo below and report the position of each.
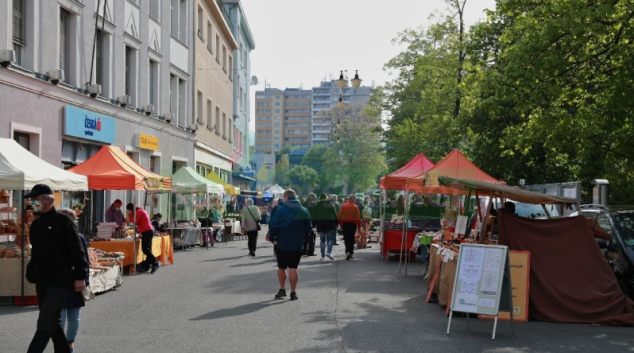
(301, 42)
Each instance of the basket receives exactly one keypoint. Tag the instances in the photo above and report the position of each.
(426, 240)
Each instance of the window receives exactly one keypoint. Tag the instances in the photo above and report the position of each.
(129, 72)
(99, 57)
(199, 105)
(224, 58)
(153, 86)
(217, 48)
(230, 131)
(209, 114)
(244, 101)
(217, 128)
(182, 107)
(23, 139)
(209, 36)
(230, 68)
(224, 126)
(154, 164)
(155, 10)
(64, 50)
(241, 103)
(200, 23)
(179, 20)
(19, 19)
(173, 95)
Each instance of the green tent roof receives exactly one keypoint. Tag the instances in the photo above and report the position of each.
(186, 180)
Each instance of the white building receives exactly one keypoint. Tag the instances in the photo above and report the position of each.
(242, 79)
(127, 65)
(326, 96)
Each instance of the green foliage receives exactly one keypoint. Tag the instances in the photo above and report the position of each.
(281, 170)
(287, 149)
(302, 178)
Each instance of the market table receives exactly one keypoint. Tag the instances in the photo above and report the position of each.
(10, 278)
(392, 242)
(161, 248)
(446, 270)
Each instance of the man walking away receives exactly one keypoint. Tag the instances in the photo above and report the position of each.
(350, 221)
(58, 264)
(290, 225)
(250, 218)
(310, 204)
(335, 202)
(325, 220)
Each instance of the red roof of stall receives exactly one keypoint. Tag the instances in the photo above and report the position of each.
(397, 180)
(112, 169)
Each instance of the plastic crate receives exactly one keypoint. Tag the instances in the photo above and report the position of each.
(28, 300)
(6, 301)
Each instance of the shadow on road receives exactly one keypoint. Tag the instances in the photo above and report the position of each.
(238, 310)
(224, 259)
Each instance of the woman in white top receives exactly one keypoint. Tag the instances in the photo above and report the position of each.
(250, 218)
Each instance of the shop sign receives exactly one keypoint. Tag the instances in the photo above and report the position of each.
(89, 125)
(148, 142)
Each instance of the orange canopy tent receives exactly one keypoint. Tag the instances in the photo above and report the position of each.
(419, 165)
(112, 169)
(455, 165)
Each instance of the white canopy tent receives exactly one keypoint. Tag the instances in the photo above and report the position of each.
(21, 170)
(276, 189)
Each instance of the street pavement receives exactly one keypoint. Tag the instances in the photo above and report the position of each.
(221, 300)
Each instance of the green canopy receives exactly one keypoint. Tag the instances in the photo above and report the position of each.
(187, 181)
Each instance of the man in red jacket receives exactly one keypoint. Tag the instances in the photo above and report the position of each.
(350, 220)
(144, 227)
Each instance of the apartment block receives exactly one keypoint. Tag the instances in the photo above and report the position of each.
(282, 117)
(326, 96)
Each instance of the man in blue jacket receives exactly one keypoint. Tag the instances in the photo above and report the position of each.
(289, 226)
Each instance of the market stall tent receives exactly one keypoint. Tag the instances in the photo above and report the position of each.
(186, 180)
(229, 189)
(419, 165)
(276, 189)
(112, 169)
(21, 170)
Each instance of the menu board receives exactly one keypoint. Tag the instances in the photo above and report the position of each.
(480, 274)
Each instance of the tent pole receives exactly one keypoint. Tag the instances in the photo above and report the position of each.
(134, 251)
(21, 204)
(483, 227)
(404, 230)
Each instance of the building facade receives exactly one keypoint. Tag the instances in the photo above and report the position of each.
(326, 96)
(282, 118)
(82, 77)
(214, 46)
(243, 176)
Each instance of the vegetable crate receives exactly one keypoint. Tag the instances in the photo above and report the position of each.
(28, 300)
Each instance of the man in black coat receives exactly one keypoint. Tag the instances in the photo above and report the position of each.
(58, 264)
(325, 220)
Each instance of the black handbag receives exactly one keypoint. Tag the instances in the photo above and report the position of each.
(256, 221)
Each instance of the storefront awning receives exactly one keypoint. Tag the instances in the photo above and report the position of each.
(229, 189)
(243, 176)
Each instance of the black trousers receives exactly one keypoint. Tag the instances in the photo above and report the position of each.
(146, 247)
(50, 300)
(349, 230)
(309, 245)
(253, 240)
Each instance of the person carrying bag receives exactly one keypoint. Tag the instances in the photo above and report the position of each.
(251, 225)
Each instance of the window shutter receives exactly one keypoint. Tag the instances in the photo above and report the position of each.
(18, 22)
(64, 57)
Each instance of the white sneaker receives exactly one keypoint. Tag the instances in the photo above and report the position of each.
(330, 256)
(323, 258)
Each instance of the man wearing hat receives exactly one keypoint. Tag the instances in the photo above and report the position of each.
(58, 264)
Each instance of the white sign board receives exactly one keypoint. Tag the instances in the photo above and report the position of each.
(479, 277)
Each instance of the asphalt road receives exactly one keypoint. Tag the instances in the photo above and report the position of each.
(222, 301)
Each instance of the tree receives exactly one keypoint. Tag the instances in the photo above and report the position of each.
(560, 71)
(426, 98)
(356, 157)
(281, 169)
(317, 158)
(287, 149)
(302, 178)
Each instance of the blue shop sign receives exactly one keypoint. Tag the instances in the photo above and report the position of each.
(89, 125)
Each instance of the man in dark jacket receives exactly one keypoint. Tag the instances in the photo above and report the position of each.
(289, 226)
(309, 244)
(325, 220)
(58, 263)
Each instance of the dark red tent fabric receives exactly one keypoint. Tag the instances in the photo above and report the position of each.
(397, 180)
(570, 280)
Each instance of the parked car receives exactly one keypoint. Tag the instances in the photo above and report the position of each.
(618, 221)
